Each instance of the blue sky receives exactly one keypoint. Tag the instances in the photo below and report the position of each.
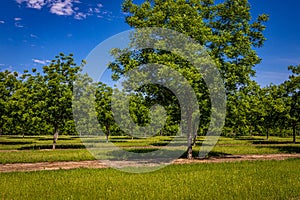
(32, 32)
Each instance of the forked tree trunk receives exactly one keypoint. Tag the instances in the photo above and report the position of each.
(55, 137)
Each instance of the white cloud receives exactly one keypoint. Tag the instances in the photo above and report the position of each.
(2, 64)
(42, 62)
(80, 15)
(36, 4)
(18, 19)
(62, 8)
(2, 22)
(66, 7)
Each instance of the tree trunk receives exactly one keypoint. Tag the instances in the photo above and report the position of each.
(294, 133)
(190, 136)
(267, 133)
(0, 131)
(190, 139)
(55, 137)
(107, 133)
(194, 140)
(190, 148)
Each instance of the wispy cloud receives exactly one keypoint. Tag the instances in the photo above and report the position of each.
(74, 8)
(4, 67)
(80, 16)
(18, 25)
(2, 22)
(33, 36)
(42, 62)
(267, 77)
(290, 61)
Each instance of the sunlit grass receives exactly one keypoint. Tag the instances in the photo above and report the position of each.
(70, 148)
(241, 180)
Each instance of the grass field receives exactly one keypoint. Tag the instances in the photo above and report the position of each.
(240, 180)
(38, 149)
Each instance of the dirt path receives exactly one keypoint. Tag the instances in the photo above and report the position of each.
(97, 164)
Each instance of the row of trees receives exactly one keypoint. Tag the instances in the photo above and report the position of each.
(41, 102)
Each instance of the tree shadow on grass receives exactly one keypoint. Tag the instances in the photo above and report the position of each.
(247, 138)
(51, 138)
(287, 149)
(273, 142)
(142, 154)
(49, 146)
(15, 142)
(210, 154)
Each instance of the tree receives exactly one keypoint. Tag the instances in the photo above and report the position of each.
(224, 29)
(103, 108)
(8, 84)
(273, 107)
(59, 77)
(292, 87)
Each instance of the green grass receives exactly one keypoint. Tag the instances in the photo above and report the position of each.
(45, 156)
(241, 180)
(32, 149)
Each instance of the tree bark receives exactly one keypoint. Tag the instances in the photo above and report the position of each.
(190, 138)
(1, 131)
(55, 137)
(194, 139)
(267, 133)
(107, 133)
(190, 148)
(294, 133)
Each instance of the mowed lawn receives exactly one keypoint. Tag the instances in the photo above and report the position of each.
(38, 149)
(239, 180)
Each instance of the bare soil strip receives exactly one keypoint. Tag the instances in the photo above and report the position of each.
(21, 167)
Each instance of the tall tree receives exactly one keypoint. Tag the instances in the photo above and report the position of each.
(103, 108)
(8, 86)
(293, 97)
(225, 29)
(273, 107)
(59, 77)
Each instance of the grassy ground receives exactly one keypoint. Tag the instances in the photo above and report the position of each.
(38, 149)
(241, 180)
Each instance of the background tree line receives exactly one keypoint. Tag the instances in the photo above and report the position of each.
(36, 102)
